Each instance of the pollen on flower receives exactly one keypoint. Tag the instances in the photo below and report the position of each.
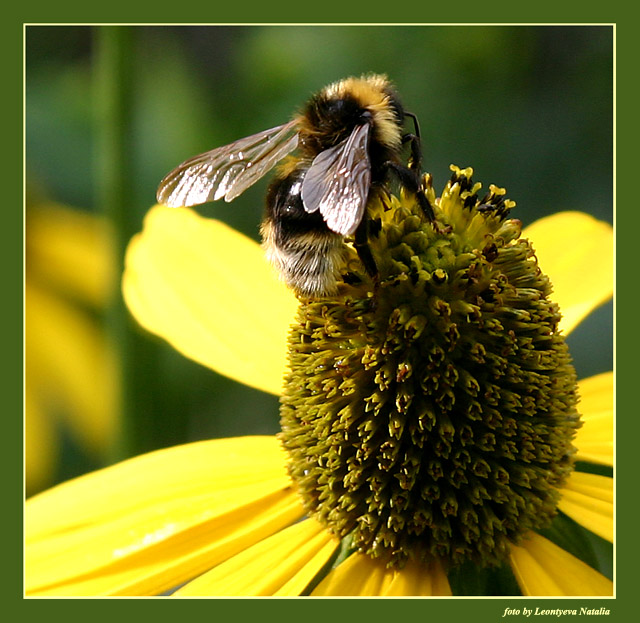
(430, 415)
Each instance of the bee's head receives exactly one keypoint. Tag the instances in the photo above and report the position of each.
(330, 115)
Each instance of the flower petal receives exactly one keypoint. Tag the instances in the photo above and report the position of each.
(153, 522)
(413, 580)
(209, 291)
(70, 364)
(60, 239)
(588, 500)
(545, 570)
(576, 251)
(595, 438)
(359, 575)
(282, 564)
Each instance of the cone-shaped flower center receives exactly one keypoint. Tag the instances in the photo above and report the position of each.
(430, 415)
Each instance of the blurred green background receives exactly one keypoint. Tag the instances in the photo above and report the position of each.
(529, 108)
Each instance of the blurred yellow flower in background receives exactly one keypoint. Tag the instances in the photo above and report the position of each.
(71, 384)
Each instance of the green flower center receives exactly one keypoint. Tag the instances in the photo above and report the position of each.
(430, 415)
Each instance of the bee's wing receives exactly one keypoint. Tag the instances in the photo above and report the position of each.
(229, 170)
(337, 182)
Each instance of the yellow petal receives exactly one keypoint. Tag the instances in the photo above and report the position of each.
(297, 584)
(595, 438)
(414, 580)
(576, 251)
(282, 564)
(154, 478)
(545, 570)
(59, 240)
(359, 575)
(70, 366)
(588, 500)
(151, 523)
(210, 293)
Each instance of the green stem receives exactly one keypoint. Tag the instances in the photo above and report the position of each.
(148, 418)
(113, 166)
(114, 124)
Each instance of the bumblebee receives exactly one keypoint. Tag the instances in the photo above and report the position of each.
(348, 140)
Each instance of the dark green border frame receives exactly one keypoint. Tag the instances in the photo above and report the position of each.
(333, 12)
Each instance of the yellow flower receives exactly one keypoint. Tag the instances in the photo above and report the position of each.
(70, 370)
(224, 517)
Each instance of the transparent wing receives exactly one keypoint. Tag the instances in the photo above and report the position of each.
(337, 182)
(229, 170)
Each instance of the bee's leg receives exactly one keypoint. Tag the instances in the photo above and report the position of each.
(361, 244)
(410, 180)
(411, 176)
(415, 159)
(415, 162)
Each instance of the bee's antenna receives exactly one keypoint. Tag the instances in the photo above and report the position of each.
(416, 125)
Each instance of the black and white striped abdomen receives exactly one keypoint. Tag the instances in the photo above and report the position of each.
(310, 263)
(305, 252)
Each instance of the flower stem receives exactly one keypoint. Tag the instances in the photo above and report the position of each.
(144, 423)
(112, 123)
